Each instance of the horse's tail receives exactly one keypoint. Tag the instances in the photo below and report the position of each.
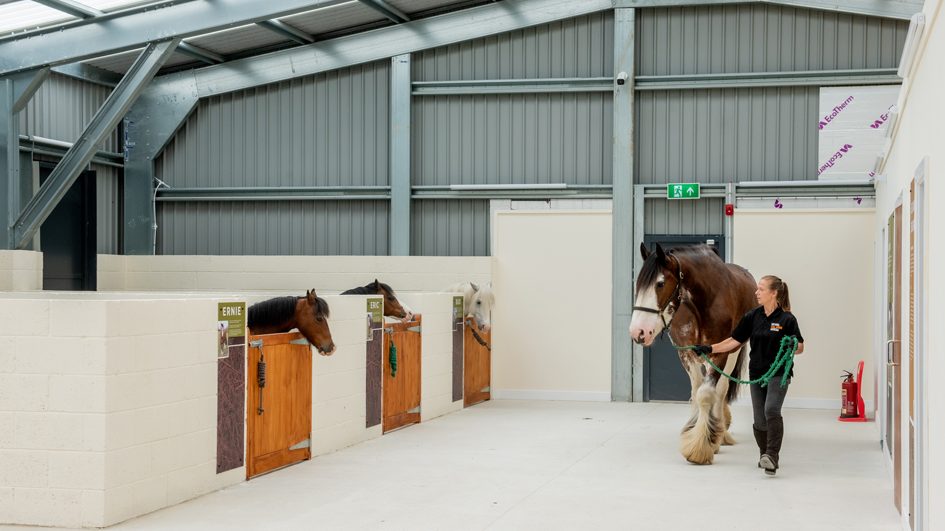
(732, 393)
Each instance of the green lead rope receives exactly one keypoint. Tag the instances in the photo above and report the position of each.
(784, 358)
(392, 357)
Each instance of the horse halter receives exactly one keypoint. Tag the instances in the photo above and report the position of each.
(672, 298)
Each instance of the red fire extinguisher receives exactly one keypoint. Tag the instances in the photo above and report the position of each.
(848, 396)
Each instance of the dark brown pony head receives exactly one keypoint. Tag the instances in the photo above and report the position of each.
(312, 320)
(309, 314)
(657, 294)
(392, 307)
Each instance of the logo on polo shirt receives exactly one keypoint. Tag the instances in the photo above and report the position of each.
(776, 327)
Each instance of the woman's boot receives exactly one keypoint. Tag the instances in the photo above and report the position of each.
(769, 461)
(761, 439)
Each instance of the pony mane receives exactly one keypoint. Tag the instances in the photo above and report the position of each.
(366, 290)
(280, 309)
(272, 312)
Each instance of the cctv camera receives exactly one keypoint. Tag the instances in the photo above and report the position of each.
(622, 78)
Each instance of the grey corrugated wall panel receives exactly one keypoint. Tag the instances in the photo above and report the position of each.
(519, 138)
(726, 135)
(274, 228)
(61, 109)
(762, 38)
(325, 130)
(702, 216)
(441, 227)
(578, 47)
(108, 207)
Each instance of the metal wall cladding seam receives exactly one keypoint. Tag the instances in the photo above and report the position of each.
(449, 227)
(274, 228)
(700, 216)
(61, 109)
(726, 135)
(513, 139)
(577, 47)
(762, 38)
(329, 129)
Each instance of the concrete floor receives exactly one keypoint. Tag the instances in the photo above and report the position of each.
(564, 465)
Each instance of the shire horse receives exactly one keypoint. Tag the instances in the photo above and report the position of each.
(479, 301)
(392, 307)
(699, 298)
(309, 314)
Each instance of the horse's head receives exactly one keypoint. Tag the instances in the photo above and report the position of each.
(392, 307)
(480, 305)
(312, 317)
(657, 293)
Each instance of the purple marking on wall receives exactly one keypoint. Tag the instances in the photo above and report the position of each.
(834, 113)
(231, 404)
(882, 119)
(836, 156)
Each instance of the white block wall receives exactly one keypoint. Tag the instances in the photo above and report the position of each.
(436, 356)
(21, 270)
(250, 273)
(107, 408)
(339, 388)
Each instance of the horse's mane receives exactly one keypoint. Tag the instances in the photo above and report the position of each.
(280, 309)
(651, 269)
(366, 290)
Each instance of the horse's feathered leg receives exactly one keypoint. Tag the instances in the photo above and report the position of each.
(698, 440)
(726, 412)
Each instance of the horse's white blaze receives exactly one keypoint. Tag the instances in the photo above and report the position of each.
(646, 325)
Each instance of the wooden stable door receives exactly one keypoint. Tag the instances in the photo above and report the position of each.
(477, 365)
(401, 389)
(279, 415)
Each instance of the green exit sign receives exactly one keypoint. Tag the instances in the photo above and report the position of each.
(682, 191)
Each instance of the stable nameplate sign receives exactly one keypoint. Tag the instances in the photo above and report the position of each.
(375, 316)
(682, 191)
(231, 326)
(458, 307)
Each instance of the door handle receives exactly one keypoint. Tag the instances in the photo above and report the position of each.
(889, 357)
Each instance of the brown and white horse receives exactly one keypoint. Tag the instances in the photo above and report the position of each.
(699, 298)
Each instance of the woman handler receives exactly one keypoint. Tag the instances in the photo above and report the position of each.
(764, 327)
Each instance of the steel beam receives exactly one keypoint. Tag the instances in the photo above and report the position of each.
(15, 93)
(286, 193)
(79, 155)
(395, 15)
(898, 9)
(287, 31)
(622, 212)
(92, 74)
(817, 78)
(126, 32)
(400, 155)
(71, 8)
(200, 54)
(513, 86)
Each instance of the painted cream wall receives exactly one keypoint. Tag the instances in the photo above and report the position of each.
(552, 318)
(248, 273)
(21, 270)
(807, 249)
(919, 133)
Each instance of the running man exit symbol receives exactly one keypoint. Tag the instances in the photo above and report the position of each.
(682, 191)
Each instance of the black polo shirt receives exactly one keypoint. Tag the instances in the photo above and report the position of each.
(765, 333)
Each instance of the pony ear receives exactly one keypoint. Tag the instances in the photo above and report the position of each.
(376, 283)
(660, 255)
(644, 252)
(474, 286)
(310, 295)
